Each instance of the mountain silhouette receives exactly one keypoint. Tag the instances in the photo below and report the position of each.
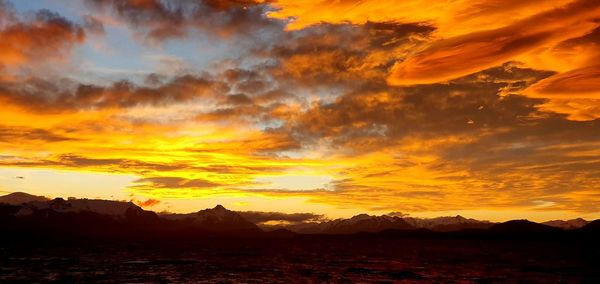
(522, 226)
(447, 223)
(18, 198)
(21, 212)
(77, 217)
(373, 224)
(217, 218)
(117, 209)
(591, 227)
(356, 224)
(568, 224)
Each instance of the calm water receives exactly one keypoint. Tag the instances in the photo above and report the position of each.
(307, 259)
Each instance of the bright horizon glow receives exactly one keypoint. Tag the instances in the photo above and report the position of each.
(113, 187)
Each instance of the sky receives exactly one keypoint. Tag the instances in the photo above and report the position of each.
(485, 108)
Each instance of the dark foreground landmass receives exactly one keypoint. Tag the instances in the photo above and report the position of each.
(380, 258)
(83, 241)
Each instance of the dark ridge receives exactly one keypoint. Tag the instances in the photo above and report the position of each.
(98, 219)
(523, 226)
(18, 198)
(591, 227)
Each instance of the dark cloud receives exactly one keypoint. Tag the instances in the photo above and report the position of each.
(219, 91)
(375, 114)
(160, 20)
(78, 161)
(258, 217)
(591, 38)
(235, 169)
(12, 134)
(48, 96)
(271, 140)
(93, 25)
(342, 54)
(111, 165)
(144, 168)
(238, 99)
(176, 182)
(7, 12)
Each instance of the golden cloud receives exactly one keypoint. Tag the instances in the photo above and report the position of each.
(462, 55)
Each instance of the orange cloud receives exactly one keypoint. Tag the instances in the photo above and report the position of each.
(574, 109)
(581, 83)
(451, 17)
(469, 36)
(46, 38)
(576, 91)
(150, 202)
(458, 56)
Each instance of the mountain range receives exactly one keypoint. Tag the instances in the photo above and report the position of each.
(24, 212)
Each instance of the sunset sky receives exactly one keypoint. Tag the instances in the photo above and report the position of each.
(485, 108)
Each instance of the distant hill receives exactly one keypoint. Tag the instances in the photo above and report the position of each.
(356, 224)
(217, 218)
(77, 217)
(522, 226)
(591, 227)
(447, 223)
(105, 207)
(18, 198)
(373, 224)
(567, 225)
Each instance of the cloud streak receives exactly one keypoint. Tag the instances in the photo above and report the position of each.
(258, 217)
(462, 55)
